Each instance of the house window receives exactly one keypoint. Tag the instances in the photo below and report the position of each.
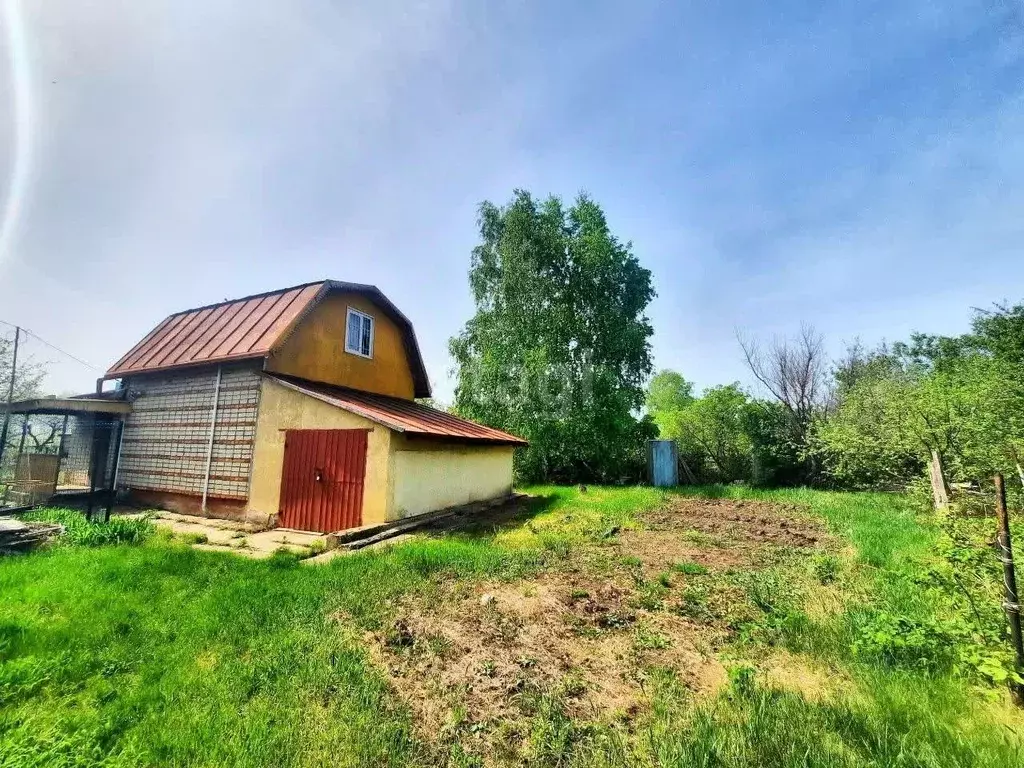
(359, 333)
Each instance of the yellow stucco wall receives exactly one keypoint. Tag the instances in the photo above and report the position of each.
(316, 350)
(404, 477)
(429, 476)
(283, 408)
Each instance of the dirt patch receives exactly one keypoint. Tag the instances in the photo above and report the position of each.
(718, 534)
(661, 551)
(487, 653)
(594, 630)
(740, 521)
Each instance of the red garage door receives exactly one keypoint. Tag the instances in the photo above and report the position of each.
(322, 479)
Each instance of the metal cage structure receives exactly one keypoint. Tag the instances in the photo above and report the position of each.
(62, 452)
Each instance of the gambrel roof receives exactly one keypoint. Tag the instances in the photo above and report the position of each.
(250, 328)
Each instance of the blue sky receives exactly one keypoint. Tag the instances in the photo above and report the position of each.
(859, 166)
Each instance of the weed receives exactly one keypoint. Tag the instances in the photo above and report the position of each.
(647, 639)
(650, 597)
(283, 557)
(438, 645)
(691, 569)
(665, 580)
(826, 568)
(634, 566)
(557, 543)
(317, 547)
(771, 589)
(572, 686)
(741, 679)
(616, 619)
(700, 538)
(694, 605)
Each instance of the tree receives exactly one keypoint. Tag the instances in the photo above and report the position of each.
(795, 373)
(714, 426)
(874, 438)
(860, 363)
(30, 374)
(775, 459)
(947, 395)
(558, 348)
(27, 384)
(1000, 331)
(667, 394)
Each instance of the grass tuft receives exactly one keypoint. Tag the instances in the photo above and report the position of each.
(78, 530)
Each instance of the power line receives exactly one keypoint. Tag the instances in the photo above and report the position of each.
(54, 347)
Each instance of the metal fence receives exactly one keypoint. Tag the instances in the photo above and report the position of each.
(50, 459)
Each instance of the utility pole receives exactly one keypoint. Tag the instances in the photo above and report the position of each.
(10, 395)
(1011, 602)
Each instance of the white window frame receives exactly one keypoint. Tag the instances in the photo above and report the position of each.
(373, 328)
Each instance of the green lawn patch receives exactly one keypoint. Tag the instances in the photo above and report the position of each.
(138, 650)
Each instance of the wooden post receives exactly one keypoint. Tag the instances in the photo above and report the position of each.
(687, 472)
(1011, 602)
(940, 491)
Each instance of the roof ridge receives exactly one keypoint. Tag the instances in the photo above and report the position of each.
(262, 295)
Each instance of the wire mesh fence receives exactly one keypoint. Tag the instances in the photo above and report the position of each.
(47, 457)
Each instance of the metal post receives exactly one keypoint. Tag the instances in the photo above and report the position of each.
(60, 448)
(10, 395)
(1011, 602)
(209, 445)
(93, 461)
(117, 466)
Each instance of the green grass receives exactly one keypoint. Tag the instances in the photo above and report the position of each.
(78, 530)
(692, 569)
(152, 653)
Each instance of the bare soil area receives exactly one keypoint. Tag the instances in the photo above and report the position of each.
(482, 653)
(739, 521)
(488, 650)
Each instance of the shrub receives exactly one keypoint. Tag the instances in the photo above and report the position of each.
(903, 641)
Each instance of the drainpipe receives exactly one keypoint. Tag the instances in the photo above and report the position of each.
(209, 445)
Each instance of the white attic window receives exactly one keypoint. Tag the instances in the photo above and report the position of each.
(359, 333)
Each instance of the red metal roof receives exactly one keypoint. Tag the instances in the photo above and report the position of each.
(406, 416)
(248, 328)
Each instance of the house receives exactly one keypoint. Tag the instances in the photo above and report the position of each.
(298, 407)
